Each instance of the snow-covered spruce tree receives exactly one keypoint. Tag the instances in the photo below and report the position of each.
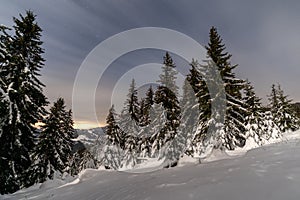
(166, 79)
(169, 74)
(23, 92)
(131, 151)
(54, 146)
(171, 143)
(132, 103)
(129, 118)
(81, 160)
(270, 129)
(147, 116)
(6, 173)
(129, 123)
(4, 57)
(112, 153)
(234, 127)
(197, 81)
(255, 119)
(144, 114)
(189, 119)
(146, 108)
(281, 108)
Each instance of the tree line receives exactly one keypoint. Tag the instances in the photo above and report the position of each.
(163, 124)
(166, 125)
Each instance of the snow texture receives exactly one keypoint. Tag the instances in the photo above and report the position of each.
(270, 172)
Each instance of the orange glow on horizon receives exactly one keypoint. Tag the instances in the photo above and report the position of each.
(77, 125)
(86, 125)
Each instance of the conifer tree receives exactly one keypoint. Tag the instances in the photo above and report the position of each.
(23, 93)
(190, 114)
(168, 76)
(198, 83)
(3, 96)
(54, 147)
(112, 153)
(283, 114)
(129, 119)
(255, 118)
(131, 151)
(144, 113)
(147, 117)
(270, 128)
(169, 149)
(129, 123)
(132, 102)
(166, 79)
(234, 126)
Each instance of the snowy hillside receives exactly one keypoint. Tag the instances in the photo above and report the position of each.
(89, 136)
(270, 172)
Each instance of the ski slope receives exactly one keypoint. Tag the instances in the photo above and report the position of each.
(271, 172)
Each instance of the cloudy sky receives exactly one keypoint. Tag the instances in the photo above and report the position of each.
(262, 36)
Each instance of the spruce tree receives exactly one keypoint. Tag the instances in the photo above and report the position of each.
(168, 141)
(168, 76)
(146, 108)
(131, 151)
(129, 119)
(234, 126)
(166, 79)
(81, 160)
(53, 150)
(23, 93)
(112, 152)
(199, 85)
(190, 114)
(132, 102)
(281, 109)
(144, 113)
(255, 118)
(147, 117)
(129, 123)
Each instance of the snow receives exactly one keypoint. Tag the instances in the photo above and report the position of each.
(271, 172)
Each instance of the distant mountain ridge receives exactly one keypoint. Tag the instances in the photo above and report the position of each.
(89, 136)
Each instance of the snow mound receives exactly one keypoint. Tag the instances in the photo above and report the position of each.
(148, 165)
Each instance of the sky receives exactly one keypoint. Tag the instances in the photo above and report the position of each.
(262, 36)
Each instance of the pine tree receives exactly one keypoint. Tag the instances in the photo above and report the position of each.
(131, 152)
(132, 102)
(199, 85)
(144, 113)
(147, 117)
(168, 76)
(270, 128)
(273, 99)
(234, 126)
(283, 114)
(169, 149)
(190, 113)
(112, 154)
(129, 123)
(81, 160)
(87, 161)
(129, 119)
(54, 145)
(23, 93)
(3, 96)
(255, 118)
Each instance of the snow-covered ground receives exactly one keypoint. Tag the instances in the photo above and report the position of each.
(270, 172)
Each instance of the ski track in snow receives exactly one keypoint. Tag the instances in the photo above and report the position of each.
(271, 172)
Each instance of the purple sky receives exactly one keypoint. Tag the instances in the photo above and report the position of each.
(262, 36)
